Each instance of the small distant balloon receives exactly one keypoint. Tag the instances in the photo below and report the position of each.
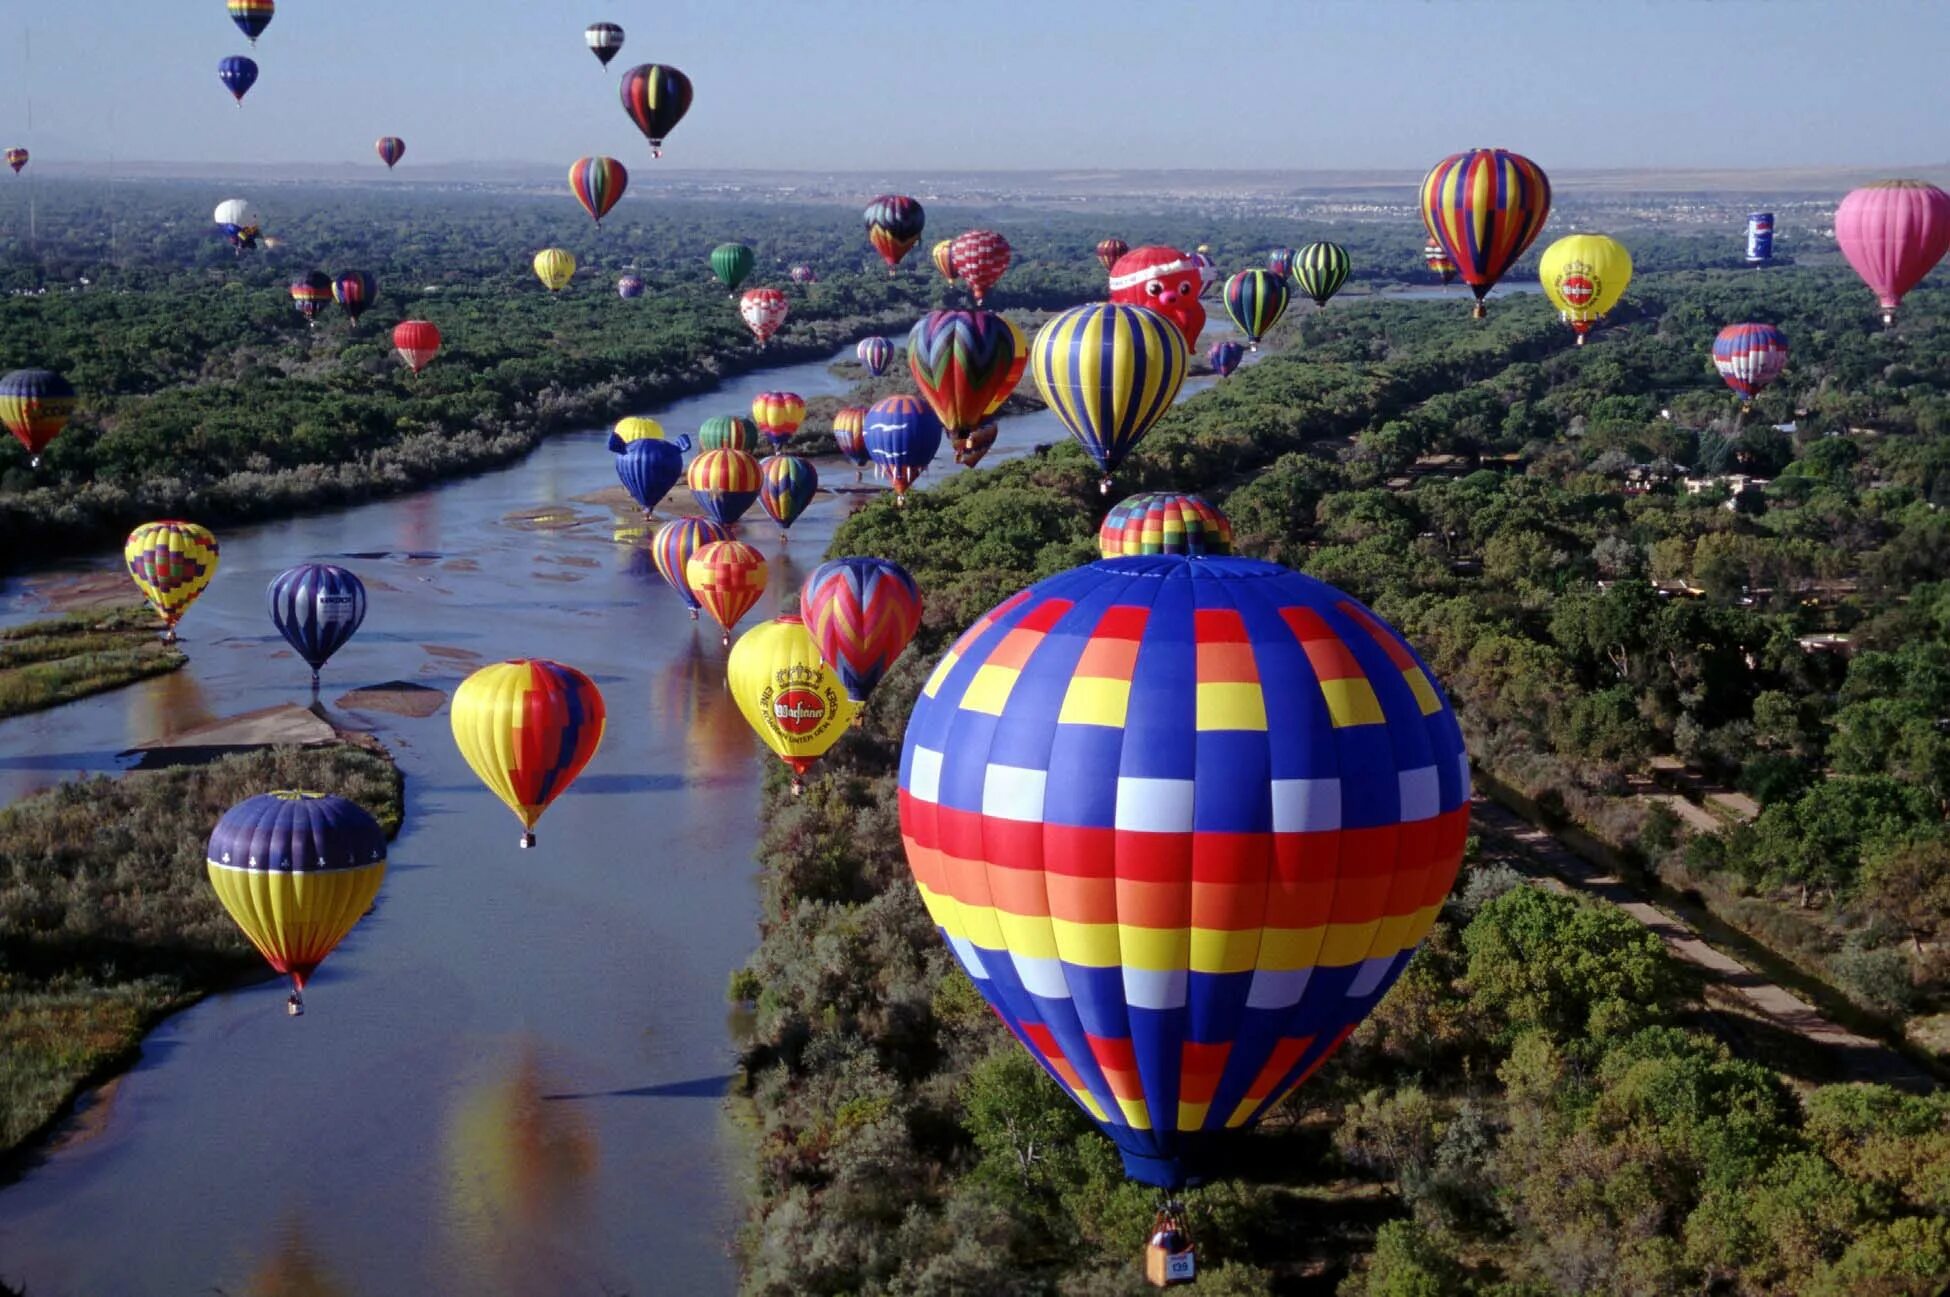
(417, 342)
(317, 607)
(252, 16)
(875, 353)
(763, 310)
(605, 41)
(238, 75)
(390, 148)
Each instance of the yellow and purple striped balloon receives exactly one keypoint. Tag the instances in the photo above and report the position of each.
(1109, 372)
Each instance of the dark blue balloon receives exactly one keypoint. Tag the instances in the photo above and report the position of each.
(316, 607)
(649, 468)
(902, 436)
(291, 832)
(238, 75)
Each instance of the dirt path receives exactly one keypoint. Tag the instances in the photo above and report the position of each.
(1857, 1058)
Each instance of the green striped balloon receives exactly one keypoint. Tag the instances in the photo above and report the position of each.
(728, 432)
(731, 263)
(1320, 270)
(1255, 299)
(1109, 372)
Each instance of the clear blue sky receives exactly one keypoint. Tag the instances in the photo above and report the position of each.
(872, 84)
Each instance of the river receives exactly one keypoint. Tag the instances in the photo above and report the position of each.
(509, 1078)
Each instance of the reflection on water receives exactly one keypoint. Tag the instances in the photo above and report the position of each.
(293, 1267)
(520, 1172)
(169, 704)
(689, 694)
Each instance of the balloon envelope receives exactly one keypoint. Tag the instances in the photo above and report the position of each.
(861, 612)
(789, 696)
(317, 607)
(598, 184)
(648, 469)
(527, 728)
(656, 98)
(1164, 522)
(171, 562)
(1584, 275)
(390, 148)
(787, 485)
(902, 437)
(1893, 233)
(724, 483)
(555, 267)
(728, 578)
(1485, 207)
(1256, 299)
(1109, 373)
(35, 406)
(417, 342)
(671, 549)
(894, 225)
(1183, 821)
(1750, 356)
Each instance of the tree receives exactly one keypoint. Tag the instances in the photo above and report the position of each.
(1908, 887)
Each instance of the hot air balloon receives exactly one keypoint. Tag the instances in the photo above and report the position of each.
(1164, 522)
(239, 222)
(1208, 272)
(1320, 269)
(943, 255)
(238, 75)
(605, 41)
(252, 16)
(1165, 280)
(860, 612)
(636, 428)
(417, 342)
(764, 310)
(527, 728)
(648, 469)
(1183, 822)
(728, 432)
(555, 267)
(1255, 299)
(727, 576)
(850, 435)
(598, 184)
(1109, 372)
(791, 698)
(656, 98)
(316, 607)
(354, 291)
(1438, 261)
(1749, 357)
(311, 295)
(36, 405)
(1584, 275)
(894, 224)
(786, 486)
(170, 563)
(1280, 261)
(731, 263)
(629, 287)
(803, 274)
(1109, 250)
(16, 158)
(1224, 357)
(1893, 232)
(902, 437)
(980, 257)
(724, 482)
(296, 871)
(1485, 207)
(390, 148)
(778, 415)
(1760, 238)
(671, 549)
(965, 363)
(970, 449)
(875, 353)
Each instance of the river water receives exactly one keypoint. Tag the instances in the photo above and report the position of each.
(509, 1078)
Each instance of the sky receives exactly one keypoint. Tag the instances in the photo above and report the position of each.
(985, 84)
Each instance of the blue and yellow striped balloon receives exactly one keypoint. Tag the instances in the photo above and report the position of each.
(1256, 299)
(1109, 372)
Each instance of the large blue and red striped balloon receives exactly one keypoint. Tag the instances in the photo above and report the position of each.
(1485, 207)
(1183, 822)
(861, 612)
(1750, 356)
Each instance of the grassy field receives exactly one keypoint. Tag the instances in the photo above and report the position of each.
(108, 923)
(47, 663)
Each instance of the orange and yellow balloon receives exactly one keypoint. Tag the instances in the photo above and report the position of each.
(727, 576)
(789, 696)
(527, 728)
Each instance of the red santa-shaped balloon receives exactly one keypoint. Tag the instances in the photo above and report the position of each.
(1167, 281)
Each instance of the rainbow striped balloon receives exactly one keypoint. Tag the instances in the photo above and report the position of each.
(787, 485)
(35, 405)
(778, 415)
(598, 184)
(728, 577)
(672, 547)
(1485, 207)
(862, 612)
(724, 483)
(1183, 822)
(1109, 372)
(1164, 522)
(252, 16)
(850, 434)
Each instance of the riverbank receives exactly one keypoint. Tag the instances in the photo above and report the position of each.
(46, 663)
(107, 920)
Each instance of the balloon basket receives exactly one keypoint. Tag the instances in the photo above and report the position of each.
(1103, 486)
(693, 614)
(1580, 339)
(527, 841)
(725, 640)
(1479, 312)
(1170, 1256)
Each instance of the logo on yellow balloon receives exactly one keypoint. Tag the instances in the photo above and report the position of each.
(800, 702)
(1578, 285)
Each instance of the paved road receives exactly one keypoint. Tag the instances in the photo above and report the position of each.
(1858, 1057)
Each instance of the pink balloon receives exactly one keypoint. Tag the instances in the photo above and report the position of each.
(1893, 232)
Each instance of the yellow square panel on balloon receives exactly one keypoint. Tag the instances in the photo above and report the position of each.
(1232, 706)
(1191, 1116)
(1350, 702)
(1136, 1115)
(1095, 701)
(941, 671)
(989, 690)
(1425, 695)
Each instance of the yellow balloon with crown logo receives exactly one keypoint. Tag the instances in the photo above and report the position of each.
(1584, 275)
(788, 694)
